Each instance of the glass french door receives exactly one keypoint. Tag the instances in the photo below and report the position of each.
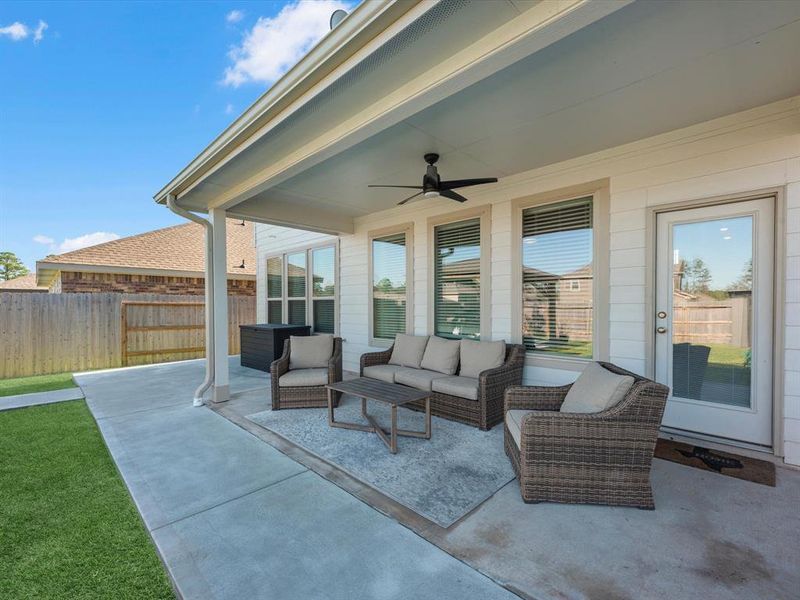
(714, 319)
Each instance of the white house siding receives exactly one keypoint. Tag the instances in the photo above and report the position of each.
(749, 151)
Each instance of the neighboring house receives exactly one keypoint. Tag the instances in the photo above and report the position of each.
(623, 135)
(164, 261)
(26, 283)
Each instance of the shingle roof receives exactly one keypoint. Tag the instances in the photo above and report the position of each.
(177, 248)
(26, 283)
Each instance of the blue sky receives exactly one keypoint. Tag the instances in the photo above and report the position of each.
(106, 102)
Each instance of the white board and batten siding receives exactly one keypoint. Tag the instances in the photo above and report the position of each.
(750, 151)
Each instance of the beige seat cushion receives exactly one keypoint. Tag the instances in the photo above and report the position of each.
(417, 378)
(408, 350)
(310, 351)
(480, 356)
(514, 423)
(441, 355)
(303, 378)
(463, 387)
(382, 372)
(596, 389)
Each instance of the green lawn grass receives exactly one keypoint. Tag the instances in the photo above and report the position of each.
(38, 383)
(724, 354)
(68, 528)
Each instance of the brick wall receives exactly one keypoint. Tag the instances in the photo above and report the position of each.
(74, 282)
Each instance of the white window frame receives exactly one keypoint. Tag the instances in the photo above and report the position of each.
(408, 230)
(599, 191)
(484, 213)
(309, 297)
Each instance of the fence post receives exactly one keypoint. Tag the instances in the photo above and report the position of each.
(124, 331)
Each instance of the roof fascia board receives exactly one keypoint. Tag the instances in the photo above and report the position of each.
(48, 269)
(536, 28)
(366, 21)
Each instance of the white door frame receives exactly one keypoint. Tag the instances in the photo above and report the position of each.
(779, 253)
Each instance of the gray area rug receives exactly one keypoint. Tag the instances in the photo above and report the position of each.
(441, 479)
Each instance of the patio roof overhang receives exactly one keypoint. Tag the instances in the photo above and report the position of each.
(495, 88)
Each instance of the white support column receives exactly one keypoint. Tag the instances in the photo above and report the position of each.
(221, 391)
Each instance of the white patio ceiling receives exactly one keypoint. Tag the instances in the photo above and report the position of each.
(647, 68)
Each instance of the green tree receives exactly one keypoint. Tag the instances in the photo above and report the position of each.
(696, 276)
(745, 280)
(11, 266)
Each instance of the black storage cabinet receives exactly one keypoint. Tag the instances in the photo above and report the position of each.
(261, 344)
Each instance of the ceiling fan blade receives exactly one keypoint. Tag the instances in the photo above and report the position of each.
(452, 195)
(408, 187)
(458, 183)
(409, 198)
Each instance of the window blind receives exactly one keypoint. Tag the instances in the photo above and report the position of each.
(297, 312)
(457, 279)
(557, 278)
(388, 286)
(296, 274)
(324, 316)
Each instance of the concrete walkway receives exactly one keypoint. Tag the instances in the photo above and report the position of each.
(235, 518)
(36, 398)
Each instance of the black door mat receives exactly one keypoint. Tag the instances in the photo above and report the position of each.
(732, 465)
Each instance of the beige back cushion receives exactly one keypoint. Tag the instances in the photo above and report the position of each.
(310, 351)
(408, 350)
(596, 390)
(441, 355)
(480, 356)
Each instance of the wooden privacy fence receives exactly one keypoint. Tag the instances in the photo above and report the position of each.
(713, 322)
(55, 333)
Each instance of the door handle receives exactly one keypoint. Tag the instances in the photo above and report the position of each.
(661, 329)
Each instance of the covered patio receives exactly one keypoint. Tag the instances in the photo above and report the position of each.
(238, 511)
(604, 128)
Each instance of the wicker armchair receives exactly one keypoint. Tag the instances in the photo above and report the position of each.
(586, 458)
(307, 396)
(484, 413)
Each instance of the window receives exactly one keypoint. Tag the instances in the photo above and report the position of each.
(457, 279)
(275, 289)
(389, 254)
(557, 257)
(323, 287)
(309, 295)
(296, 293)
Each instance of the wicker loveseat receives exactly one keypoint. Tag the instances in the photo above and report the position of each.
(584, 458)
(305, 387)
(485, 410)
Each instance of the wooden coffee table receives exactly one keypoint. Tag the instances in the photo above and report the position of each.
(388, 393)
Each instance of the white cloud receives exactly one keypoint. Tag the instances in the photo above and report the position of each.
(275, 44)
(38, 34)
(83, 241)
(16, 31)
(43, 239)
(76, 243)
(229, 109)
(234, 16)
(19, 31)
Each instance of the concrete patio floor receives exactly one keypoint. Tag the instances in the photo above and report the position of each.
(236, 511)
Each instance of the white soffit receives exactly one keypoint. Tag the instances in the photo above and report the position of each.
(648, 68)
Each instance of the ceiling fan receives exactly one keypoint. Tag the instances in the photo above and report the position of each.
(433, 187)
